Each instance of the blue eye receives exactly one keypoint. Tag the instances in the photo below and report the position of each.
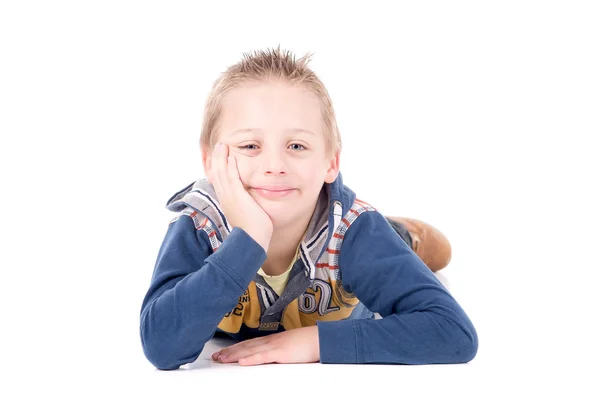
(248, 147)
(298, 145)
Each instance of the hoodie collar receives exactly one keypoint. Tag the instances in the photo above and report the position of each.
(335, 199)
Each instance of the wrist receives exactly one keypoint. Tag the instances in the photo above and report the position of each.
(265, 242)
(317, 345)
(263, 238)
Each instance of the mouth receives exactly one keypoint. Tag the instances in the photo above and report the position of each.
(273, 192)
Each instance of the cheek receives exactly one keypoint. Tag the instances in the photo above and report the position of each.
(313, 170)
(313, 176)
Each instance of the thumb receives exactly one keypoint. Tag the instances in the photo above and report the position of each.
(232, 171)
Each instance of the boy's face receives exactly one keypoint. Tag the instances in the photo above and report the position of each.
(276, 133)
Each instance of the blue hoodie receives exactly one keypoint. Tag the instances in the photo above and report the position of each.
(351, 264)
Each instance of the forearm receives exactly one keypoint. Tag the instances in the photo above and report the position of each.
(177, 321)
(422, 324)
(425, 337)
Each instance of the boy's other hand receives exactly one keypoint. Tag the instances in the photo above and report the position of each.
(240, 208)
(299, 345)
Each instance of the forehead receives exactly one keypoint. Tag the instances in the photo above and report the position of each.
(271, 106)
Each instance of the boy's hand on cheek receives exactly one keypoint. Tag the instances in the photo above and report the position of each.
(299, 345)
(240, 208)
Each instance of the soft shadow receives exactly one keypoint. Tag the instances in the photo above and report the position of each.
(204, 360)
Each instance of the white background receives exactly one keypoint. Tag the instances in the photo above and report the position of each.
(481, 118)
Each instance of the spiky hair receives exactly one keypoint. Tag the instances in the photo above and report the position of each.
(264, 66)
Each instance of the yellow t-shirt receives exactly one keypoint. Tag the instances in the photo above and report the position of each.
(278, 282)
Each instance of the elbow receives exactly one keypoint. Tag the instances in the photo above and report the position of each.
(161, 362)
(466, 344)
(160, 358)
(155, 345)
(467, 351)
(458, 341)
(168, 346)
(168, 356)
(158, 354)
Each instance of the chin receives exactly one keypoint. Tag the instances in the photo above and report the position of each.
(280, 212)
(275, 211)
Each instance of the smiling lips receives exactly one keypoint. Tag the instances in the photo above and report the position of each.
(273, 191)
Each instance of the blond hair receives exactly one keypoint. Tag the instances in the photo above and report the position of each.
(262, 66)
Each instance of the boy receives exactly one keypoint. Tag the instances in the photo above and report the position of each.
(274, 248)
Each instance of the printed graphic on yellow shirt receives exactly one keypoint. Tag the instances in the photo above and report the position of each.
(247, 311)
(320, 302)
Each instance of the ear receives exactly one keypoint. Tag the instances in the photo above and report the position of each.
(206, 159)
(333, 168)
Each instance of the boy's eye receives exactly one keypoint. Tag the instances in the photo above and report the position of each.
(294, 146)
(248, 147)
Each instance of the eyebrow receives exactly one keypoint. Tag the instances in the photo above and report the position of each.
(256, 130)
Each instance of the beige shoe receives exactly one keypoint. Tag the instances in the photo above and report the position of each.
(427, 242)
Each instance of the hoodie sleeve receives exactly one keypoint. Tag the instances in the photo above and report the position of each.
(192, 289)
(422, 323)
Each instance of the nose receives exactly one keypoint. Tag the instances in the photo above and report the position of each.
(273, 162)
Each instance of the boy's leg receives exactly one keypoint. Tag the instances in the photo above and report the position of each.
(426, 241)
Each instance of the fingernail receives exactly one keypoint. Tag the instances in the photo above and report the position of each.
(222, 357)
(215, 356)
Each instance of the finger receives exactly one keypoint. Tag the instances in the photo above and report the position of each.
(233, 348)
(246, 352)
(243, 345)
(233, 172)
(224, 166)
(263, 357)
(248, 343)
